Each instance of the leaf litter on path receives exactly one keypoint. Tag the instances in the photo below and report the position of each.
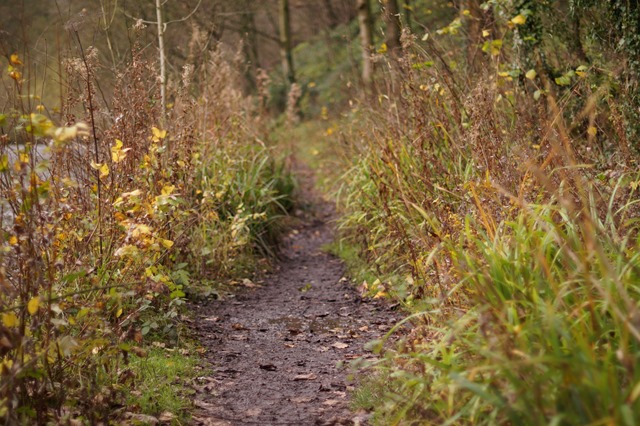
(280, 334)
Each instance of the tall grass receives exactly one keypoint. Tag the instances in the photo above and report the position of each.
(510, 234)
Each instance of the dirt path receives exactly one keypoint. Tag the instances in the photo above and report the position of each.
(276, 349)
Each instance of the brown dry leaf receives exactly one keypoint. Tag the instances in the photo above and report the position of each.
(166, 417)
(301, 400)
(248, 283)
(309, 376)
(268, 367)
(239, 337)
(340, 345)
(331, 402)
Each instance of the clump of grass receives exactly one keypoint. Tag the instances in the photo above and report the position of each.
(164, 383)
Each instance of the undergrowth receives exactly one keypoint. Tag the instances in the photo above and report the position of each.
(498, 204)
(111, 211)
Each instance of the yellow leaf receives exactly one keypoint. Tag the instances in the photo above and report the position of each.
(158, 134)
(592, 131)
(9, 320)
(15, 59)
(380, 294)
(519, 20)
(485, 33)
(531, 74)
(466, 12)
(104, 171)
(127, 250)
(33, 305)
(166, 243)
(101, 167)
(383, 48)
(119, 313)
(117, 153)
(134, 193)
(167, 189)
(141, 229)
(13, 240)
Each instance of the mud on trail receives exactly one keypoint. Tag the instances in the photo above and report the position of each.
(276, 350)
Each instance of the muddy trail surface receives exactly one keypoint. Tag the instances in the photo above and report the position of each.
(280, 351)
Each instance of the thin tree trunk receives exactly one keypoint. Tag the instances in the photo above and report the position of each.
(163, 71)
(250, 47)
(391, 15)
(285, 42)
(408, 9)
(331, 14)
(366, 41)
(474, 31)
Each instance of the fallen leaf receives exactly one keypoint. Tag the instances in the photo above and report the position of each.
(330, 402)
(248, 283)
(340, 345)
(301, 400)
(268, 367)
(166, 416)
(309, 376)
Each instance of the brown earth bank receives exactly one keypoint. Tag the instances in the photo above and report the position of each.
(280, 351)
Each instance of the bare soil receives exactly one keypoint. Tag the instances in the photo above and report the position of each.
(280, 351)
